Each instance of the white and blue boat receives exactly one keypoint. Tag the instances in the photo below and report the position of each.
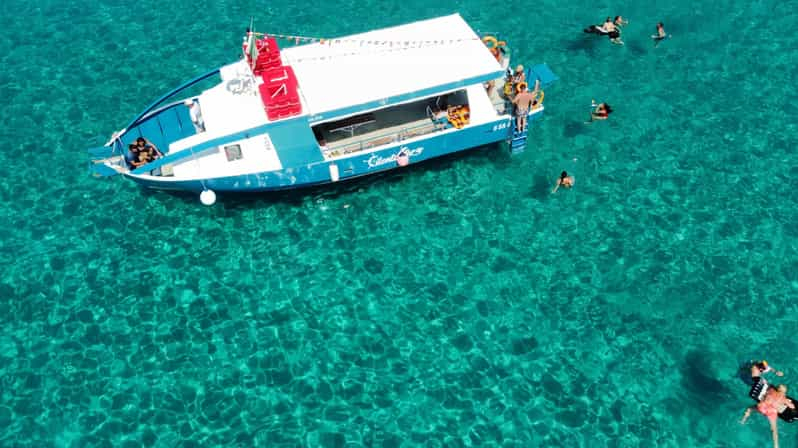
(325, 111)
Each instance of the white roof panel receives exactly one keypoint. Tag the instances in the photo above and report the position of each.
(389, 65)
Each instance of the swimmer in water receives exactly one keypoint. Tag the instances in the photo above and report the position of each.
(602, 111)
(788, 411)
(760, 368)
(769, 407)
(759, 385)
(614, 29)
(661, 35)
(564, 181)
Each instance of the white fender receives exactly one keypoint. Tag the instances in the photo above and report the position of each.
(208, 197)
(334, 176)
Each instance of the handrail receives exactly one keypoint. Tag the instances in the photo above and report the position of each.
(396, 136)
(174, 91)
(155, 113)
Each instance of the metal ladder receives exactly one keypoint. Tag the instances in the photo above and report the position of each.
(518, 139)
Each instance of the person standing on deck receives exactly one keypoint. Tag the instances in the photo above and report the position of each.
(523, 101)
(196, 115)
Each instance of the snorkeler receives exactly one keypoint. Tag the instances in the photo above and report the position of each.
(564, 181)
(661, 35)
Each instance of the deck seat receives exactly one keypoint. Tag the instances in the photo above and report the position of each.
(268, 55)
(282, 74)
(277, 113)
(267, 45)
(267, 63)
(279, 92)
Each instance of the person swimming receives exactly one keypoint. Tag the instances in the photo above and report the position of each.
(610, 28)
(752, 373)
(786, 404)
(769, 407)
(564, 181)
(601, 30)
(602, 111)
(661, 35)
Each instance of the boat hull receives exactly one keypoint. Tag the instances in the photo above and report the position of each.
(371, 162)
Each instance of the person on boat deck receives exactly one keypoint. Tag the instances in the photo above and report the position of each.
(564, 181)
(493, 94)
(518, 76)
(196, 115)
(602, 112)
(769, 407)
(661, 35)
(147, 150)
(523, 101)
(132, 156)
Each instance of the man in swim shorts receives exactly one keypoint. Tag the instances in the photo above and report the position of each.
(523, 101)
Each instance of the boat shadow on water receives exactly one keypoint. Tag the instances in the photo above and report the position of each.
(491, 154)
(703, 391)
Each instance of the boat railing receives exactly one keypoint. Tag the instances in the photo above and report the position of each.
(151, 109)
(386, 138)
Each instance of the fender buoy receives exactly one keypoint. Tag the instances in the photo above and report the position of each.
(521, 85)
(490, 41)
(208, 197)
(501, 44)
(402, 159)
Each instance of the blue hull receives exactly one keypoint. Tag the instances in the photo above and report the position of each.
(319, 173)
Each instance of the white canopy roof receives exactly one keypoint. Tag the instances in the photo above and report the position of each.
(389, 65)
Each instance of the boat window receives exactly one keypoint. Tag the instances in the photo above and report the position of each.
(233, 152)
(392, 124)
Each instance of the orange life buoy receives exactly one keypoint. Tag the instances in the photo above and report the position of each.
(521, 85)
(490, 41)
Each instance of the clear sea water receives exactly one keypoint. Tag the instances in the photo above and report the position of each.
(457, 303)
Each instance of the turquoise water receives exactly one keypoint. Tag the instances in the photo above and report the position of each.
(457, 303)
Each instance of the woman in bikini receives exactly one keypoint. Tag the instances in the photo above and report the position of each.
(564, 181)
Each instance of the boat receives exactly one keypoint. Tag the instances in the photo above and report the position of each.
(321, 111)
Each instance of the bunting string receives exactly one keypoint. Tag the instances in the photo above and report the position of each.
(376, 42)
